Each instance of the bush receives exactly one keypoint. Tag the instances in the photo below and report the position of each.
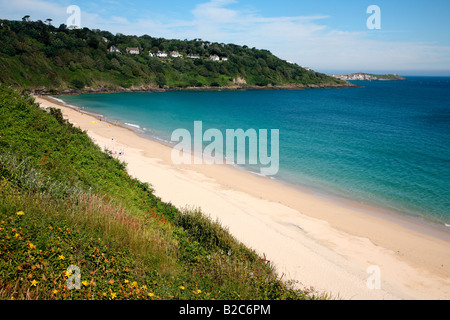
(161, 80)
(77, 83)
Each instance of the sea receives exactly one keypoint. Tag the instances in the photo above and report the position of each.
(384, 143)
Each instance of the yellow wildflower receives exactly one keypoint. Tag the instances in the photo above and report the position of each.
(67, 274)
(113, 295)
(151, 295)
(181, 287)
(126, 281)
(20, 213)
(34, 283)
(199, 291)
(31, 246)
(55, 291)
(134, 284)
(85, 283)
(61, 257)
(16, 235)
(144, 287)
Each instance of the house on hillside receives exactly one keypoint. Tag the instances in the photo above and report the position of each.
(133, 50)
(161, 54)
(214, 58)
(175, 54)
(193, 56)
(224, 59)
(114, 49)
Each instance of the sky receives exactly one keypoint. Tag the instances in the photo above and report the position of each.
(328, 36)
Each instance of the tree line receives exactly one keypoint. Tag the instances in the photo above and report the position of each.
(36, 54)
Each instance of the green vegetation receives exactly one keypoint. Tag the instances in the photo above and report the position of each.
(35, 55)
(65, 202)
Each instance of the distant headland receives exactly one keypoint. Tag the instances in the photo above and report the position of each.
(368, 76)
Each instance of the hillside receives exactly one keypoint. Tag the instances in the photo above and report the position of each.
(37, 56)
(64, 202)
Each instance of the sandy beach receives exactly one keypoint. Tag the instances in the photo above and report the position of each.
(332, 245)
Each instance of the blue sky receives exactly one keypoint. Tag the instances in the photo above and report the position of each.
(327, 35)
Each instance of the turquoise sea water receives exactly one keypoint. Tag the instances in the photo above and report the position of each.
(385, 143)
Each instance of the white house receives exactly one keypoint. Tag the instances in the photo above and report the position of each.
(175, 54)
(133, 50)
(224, 59)
(151, 54)
(214, 58)
(114, 49)
(161, 54)
(193, 56)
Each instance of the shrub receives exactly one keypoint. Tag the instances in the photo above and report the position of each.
(77, 83)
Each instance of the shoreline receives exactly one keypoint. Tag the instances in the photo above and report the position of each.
(70, 91)
(413, 220)
(314, 240)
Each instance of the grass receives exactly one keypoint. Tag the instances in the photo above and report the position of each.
(63, 203)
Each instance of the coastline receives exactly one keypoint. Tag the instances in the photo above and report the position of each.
(142, 88)
(317, 241)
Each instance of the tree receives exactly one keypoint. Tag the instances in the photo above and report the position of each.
(93, 42)
(115, 64)
(161, 80)
(49, 21)
(62, 27)
(78, 83)
(26, 18)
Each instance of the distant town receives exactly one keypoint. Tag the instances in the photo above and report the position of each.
(367, 76)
